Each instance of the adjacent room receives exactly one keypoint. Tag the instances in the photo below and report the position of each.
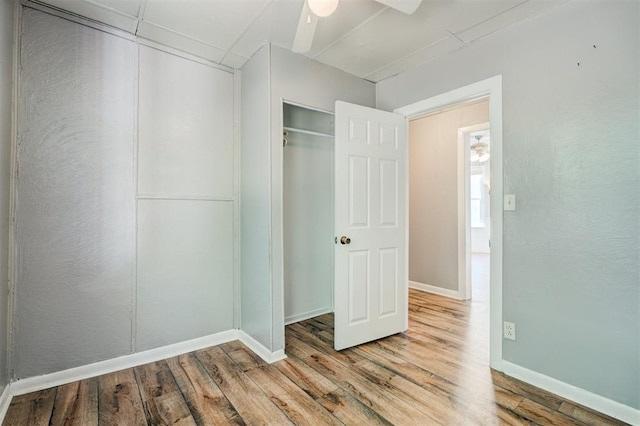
(320, 212)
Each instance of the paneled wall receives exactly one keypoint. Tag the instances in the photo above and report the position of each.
(185, 200)
(124, 197)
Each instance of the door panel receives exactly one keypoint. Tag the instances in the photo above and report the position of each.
(388, 193)
(371, 210)
(359, 191)
(359, 286)
(388, 281)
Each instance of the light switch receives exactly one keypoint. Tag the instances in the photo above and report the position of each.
(509, 202)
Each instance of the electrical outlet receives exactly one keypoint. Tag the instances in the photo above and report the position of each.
(509, 330)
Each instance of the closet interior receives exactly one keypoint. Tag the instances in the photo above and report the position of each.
(308, 211)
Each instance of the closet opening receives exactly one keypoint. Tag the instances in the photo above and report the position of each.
(308, 213)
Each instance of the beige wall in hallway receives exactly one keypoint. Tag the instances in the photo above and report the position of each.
(433, 199)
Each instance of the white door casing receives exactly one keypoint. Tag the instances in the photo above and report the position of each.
(371, 176)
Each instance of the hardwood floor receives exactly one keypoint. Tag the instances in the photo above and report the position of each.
(435, 373)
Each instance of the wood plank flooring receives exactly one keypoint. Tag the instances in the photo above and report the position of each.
(435, 373)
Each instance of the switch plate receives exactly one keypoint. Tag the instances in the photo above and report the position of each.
(509, 202)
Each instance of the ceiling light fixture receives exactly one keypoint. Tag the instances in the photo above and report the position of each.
(323, 8)
(479, 151)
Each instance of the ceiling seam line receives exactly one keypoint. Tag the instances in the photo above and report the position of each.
(246, 29)
(354, 29)
(415, 52)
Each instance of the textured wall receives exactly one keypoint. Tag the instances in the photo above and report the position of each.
(185, 270)
(107, 268)
(571, 155)
(185, 200)
(75, 225)
(6, 78)
(433, 194)
(186, 132)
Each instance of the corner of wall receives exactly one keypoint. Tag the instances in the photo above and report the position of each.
(237, 156)
(9, 59)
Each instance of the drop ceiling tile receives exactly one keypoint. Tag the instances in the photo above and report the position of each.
(507, 18)
(128, 7)
(348, 16)
(458, 15)
(180, 42)
(219, 23)
(233, 60)
(97, 13)
(277, 24)
(421, 56)
(386, 38)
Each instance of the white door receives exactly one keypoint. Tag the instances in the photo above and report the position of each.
(370, 224)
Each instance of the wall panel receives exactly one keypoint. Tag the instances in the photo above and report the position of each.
(75, 227)
(186, 128)
(185, 268)
(185, 244)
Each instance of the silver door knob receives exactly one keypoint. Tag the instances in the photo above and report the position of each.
(345, 240)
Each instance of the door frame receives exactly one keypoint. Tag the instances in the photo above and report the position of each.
(492, 88)
(464, 209)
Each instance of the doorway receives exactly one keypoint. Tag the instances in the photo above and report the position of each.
(477, 142)
(492, 90)
(442, 216)
(308, 151)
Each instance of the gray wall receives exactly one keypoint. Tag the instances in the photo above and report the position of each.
(114, 196)
(433, 194)
(255, 259)
(185, 200)
(6, 79)
(571, 156)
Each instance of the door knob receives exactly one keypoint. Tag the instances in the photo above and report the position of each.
(345, 240)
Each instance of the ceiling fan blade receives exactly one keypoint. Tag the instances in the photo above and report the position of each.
(306, 28)
(406, 6)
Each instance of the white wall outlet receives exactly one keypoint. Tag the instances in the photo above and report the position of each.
(509, 330)
(509, 202)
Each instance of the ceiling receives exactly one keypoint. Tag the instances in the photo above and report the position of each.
(362, 37)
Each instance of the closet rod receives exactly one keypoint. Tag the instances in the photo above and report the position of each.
(307, 132)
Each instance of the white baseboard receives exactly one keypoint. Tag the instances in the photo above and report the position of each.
(306, 315)
(259, 349)
(32, 384)
(5, 401)
(454, 294)
(573, 393)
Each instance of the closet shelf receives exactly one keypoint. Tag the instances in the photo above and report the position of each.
(307, 132)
